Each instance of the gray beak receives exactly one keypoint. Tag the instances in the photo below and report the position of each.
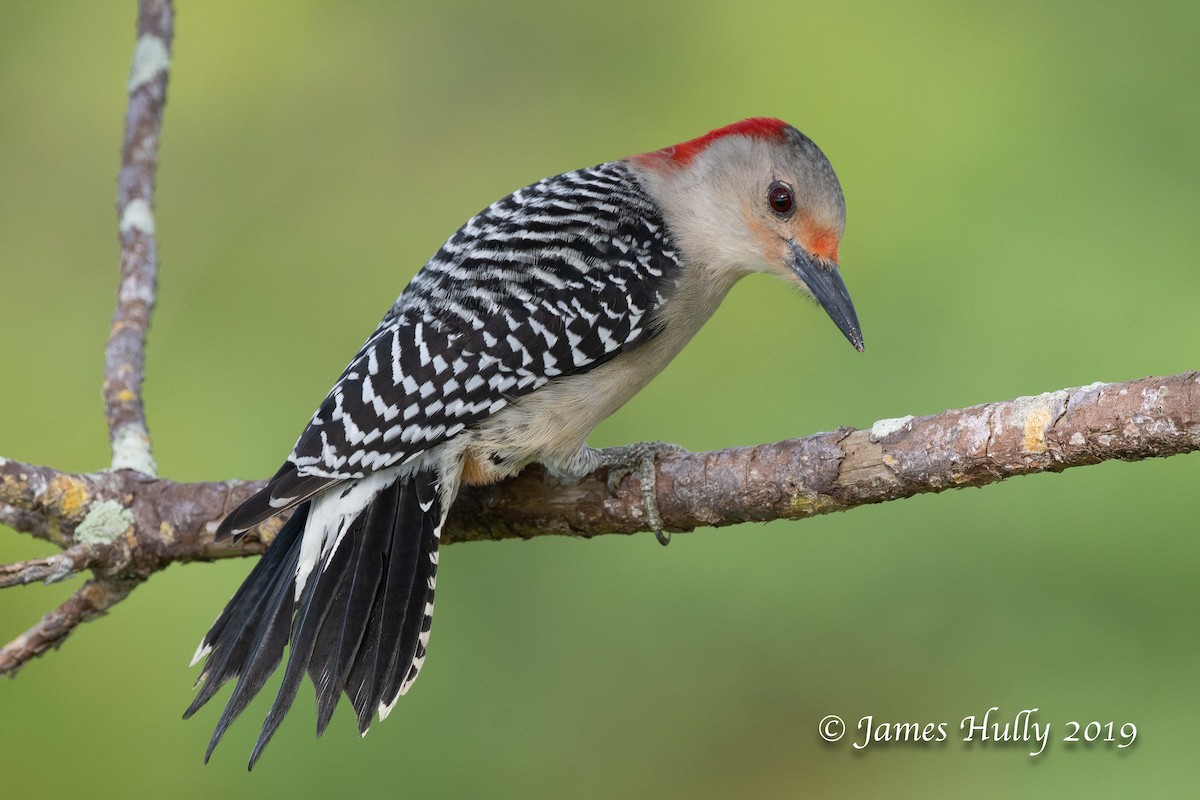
(825, 282)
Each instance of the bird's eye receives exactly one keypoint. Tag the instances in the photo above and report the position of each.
(780, 198)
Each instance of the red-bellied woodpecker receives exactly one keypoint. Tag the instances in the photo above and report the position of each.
(540, 317)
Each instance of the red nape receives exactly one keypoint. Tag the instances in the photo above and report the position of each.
(754, 127)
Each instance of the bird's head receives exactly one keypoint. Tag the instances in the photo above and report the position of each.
(757, 196)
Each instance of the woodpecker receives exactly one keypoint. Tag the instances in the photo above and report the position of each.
(540, 317)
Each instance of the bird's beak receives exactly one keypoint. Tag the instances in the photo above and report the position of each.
(825, 282)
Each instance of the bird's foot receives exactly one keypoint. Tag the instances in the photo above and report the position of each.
(638, 459)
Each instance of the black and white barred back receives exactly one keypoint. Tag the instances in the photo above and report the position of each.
(551, 281)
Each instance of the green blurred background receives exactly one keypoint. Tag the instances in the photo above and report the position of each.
(1023, 183)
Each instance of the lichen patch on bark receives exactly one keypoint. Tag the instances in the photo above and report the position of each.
(105, 522)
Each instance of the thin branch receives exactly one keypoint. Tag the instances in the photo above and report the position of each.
(19, 519)
(53, 569)
(88, 602)
(125, 355)
(136, 525)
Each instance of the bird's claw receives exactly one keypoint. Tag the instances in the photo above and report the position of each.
(639, 459)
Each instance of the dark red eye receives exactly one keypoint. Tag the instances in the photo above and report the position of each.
(780, 198)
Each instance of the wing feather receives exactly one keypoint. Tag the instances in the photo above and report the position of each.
(551, 281)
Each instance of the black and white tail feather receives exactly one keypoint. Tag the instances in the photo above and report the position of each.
(349, 580)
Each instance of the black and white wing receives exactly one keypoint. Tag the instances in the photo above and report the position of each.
(551, 281)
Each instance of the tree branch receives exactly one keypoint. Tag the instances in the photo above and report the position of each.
(125, 526)
(88, 602)
(84, 514)
(24, 521)
(53, 569)
(826, 472)
(125, 356)
(46, 503)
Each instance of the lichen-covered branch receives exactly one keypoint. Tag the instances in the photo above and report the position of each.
(125, 355)
(89, 516)
(126, 526)
(893, 459)
(46, 503)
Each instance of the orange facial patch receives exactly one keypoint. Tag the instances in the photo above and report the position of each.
(822, 242)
